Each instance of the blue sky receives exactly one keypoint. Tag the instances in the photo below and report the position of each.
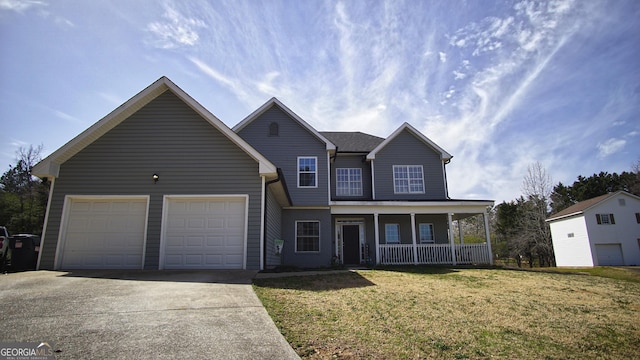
(499, 85)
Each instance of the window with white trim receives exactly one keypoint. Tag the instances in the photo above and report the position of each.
(426, 234)
(308, 236)
(408, 179)
(605, 219)
(392, 233)
(307, 172)
(348, 182)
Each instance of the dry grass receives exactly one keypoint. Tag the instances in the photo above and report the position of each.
(455, 314)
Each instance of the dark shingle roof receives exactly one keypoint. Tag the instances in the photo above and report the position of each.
(580, 207)
(352, 141)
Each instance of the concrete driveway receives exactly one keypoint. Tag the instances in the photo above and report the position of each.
(140, 314)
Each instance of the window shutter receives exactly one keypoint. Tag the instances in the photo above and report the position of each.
(612, 220)
(638, 218)
(598, 219)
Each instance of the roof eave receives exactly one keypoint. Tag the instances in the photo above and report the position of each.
(444, 156)
(274, 101)
(50, 166)
(562, 217)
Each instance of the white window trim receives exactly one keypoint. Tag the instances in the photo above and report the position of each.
(433, 235)
(315, 158)
(605, 219)
(349, 182)
(395, 190)
(296, 237)
(386, 238)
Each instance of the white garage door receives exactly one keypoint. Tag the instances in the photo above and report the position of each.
(105, 233)
(609, 254)
(205, 233)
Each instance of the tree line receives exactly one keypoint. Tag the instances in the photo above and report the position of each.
(23, 197)
(520, 226)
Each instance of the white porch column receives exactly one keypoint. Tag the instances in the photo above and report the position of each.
(376, 231)
(452, 240)
(413, 239)
(487, 235)
(460, 232)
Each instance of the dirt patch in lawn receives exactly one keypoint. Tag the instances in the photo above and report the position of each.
(458, 313)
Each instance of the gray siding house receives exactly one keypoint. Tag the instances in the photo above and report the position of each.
(161, 183)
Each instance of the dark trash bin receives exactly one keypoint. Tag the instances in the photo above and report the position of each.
(24, 254)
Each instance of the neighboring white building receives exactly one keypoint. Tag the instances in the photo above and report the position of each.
(601, 231)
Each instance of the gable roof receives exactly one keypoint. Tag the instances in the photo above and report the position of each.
(50, 166)
(581, 207)
(406, 126)
(275, 102)
(352, 142)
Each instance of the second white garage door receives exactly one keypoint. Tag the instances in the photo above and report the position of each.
(204, 232)
(609, 254)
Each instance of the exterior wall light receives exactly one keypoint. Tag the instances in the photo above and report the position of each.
(156, 178)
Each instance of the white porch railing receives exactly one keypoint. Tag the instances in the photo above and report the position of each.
(472, 254)
(396, 254)
(433, 254)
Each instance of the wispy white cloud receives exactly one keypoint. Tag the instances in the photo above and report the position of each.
(234, 86)
(114, 99)
(176, 30)
(64, 116)
(356, 67)
(20, 6)
(610, 147)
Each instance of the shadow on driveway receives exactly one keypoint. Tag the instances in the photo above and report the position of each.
(196, 276)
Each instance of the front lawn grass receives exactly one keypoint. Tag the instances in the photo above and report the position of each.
(417, 313)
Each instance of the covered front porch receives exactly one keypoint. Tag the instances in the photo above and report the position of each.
(419, 233)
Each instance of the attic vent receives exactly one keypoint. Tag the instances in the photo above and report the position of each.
(570, 235)
(621, 202)
(274, 129)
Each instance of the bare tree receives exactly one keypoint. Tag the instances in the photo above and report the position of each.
(537, 187)
(537, 182)
(523, 221)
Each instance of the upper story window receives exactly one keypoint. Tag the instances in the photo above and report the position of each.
(307, 172)
(392, 233)
(348, 182)
(426, 234)
(274, 129)
(605, 219)
(408, 179)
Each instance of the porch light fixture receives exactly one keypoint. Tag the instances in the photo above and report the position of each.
(156, 178)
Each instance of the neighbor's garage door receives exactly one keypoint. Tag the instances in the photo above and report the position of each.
(204, 233)
(609, 254)
(106, 233)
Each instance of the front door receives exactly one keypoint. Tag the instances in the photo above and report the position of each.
(351, 244)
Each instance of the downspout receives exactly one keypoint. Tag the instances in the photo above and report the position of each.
(264, 220)
(446, 183)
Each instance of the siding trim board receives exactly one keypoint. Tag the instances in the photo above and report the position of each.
(46, 221)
